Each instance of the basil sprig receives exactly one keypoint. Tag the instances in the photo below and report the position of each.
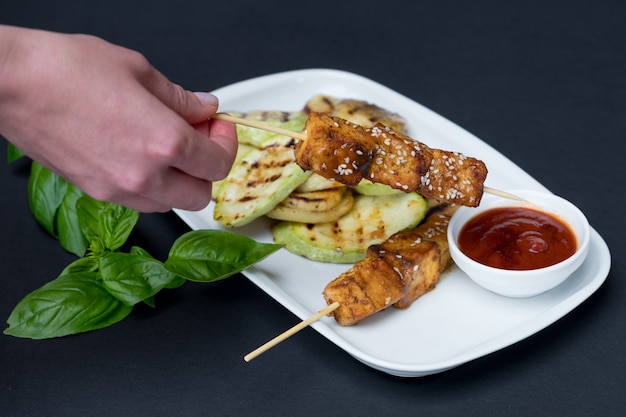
(101, 287)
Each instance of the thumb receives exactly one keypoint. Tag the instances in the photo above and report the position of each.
(193, 107)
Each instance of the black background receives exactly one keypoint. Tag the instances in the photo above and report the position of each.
(543, 82)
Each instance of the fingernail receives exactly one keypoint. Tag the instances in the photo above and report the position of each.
(207, 99)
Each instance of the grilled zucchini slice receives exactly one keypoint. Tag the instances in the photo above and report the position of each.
(241, 151)
(316, 183)
(258, 182)
(366, 187)
(312, 211)
(371, 220)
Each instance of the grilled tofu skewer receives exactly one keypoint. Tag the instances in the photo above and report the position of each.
(395, 273)
(346, 152)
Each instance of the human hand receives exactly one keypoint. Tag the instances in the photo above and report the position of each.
(104, 119)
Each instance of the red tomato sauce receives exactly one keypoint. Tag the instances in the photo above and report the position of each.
(517, 238)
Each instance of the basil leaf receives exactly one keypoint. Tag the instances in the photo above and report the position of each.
(70, 304)
(174, 283)
(88, 212)
(85, 264)
(140, 251)
(132, 278)
(150, 302)
(46, 191)
(13, 153)
(108, 223)
(211, 255)
(68, 227)
(118, 223)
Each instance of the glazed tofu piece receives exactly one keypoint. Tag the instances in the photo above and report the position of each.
(370, 286)
(419, 255)
(335, 148)
(418, 268)
(454, 178)
(398, 161)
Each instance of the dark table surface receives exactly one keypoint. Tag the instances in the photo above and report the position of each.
(543, 82)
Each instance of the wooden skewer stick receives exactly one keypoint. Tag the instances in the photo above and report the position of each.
(281, 337)
(504, 194)
(297, 135)
(259, 125)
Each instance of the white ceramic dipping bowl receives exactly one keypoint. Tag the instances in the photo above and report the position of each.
(522, 283)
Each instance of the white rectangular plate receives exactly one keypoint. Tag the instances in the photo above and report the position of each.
(458, 321)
